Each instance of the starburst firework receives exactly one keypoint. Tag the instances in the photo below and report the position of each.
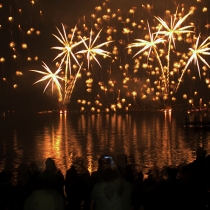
(150, 45)
(67, 49)
(52, 77)
(92, 50)
(196, 54)
(175, 28)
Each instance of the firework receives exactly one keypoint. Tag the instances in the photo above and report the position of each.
(150, 45)
(71, 85)
(67, 54)
(52, 77)
(196, 54)
(165, 42)
(67, 49)
(92, 50)
(172, 30)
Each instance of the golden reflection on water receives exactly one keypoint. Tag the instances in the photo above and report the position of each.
(3, 162)
(147, 139)
(18, 151)
(136, 146)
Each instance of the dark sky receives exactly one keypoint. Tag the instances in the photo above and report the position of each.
(57, 11)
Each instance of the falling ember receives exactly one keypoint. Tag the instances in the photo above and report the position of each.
(19, 73)
(204, 9)
(24, 46)
(12, 44)
(2, 60)
(10, 19)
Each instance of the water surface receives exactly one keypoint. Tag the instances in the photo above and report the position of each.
(148, 138)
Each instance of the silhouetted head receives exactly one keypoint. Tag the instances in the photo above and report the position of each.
(50, 164)
(5, 177)
(200, 152)
(154, 173)
(128, 174)
(208, 160)
(104, 161)
(140, 176)
(72, 172)
(78, 161)
(172, 172)
(121, 160)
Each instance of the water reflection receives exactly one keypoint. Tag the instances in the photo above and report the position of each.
(149, 139)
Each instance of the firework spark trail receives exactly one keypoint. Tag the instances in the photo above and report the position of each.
(71, 86)
(150, 45)
(196, 52)
(67, 51)
(52, 77)
(92, 50)
(174, 29)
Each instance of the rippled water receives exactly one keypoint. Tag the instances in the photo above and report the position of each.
(149, 139)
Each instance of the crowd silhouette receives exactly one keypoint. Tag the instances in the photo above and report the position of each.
(115, 185)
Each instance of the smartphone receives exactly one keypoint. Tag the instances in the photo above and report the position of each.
(109, 157)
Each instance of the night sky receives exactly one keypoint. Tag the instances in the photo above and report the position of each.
(17, 91)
